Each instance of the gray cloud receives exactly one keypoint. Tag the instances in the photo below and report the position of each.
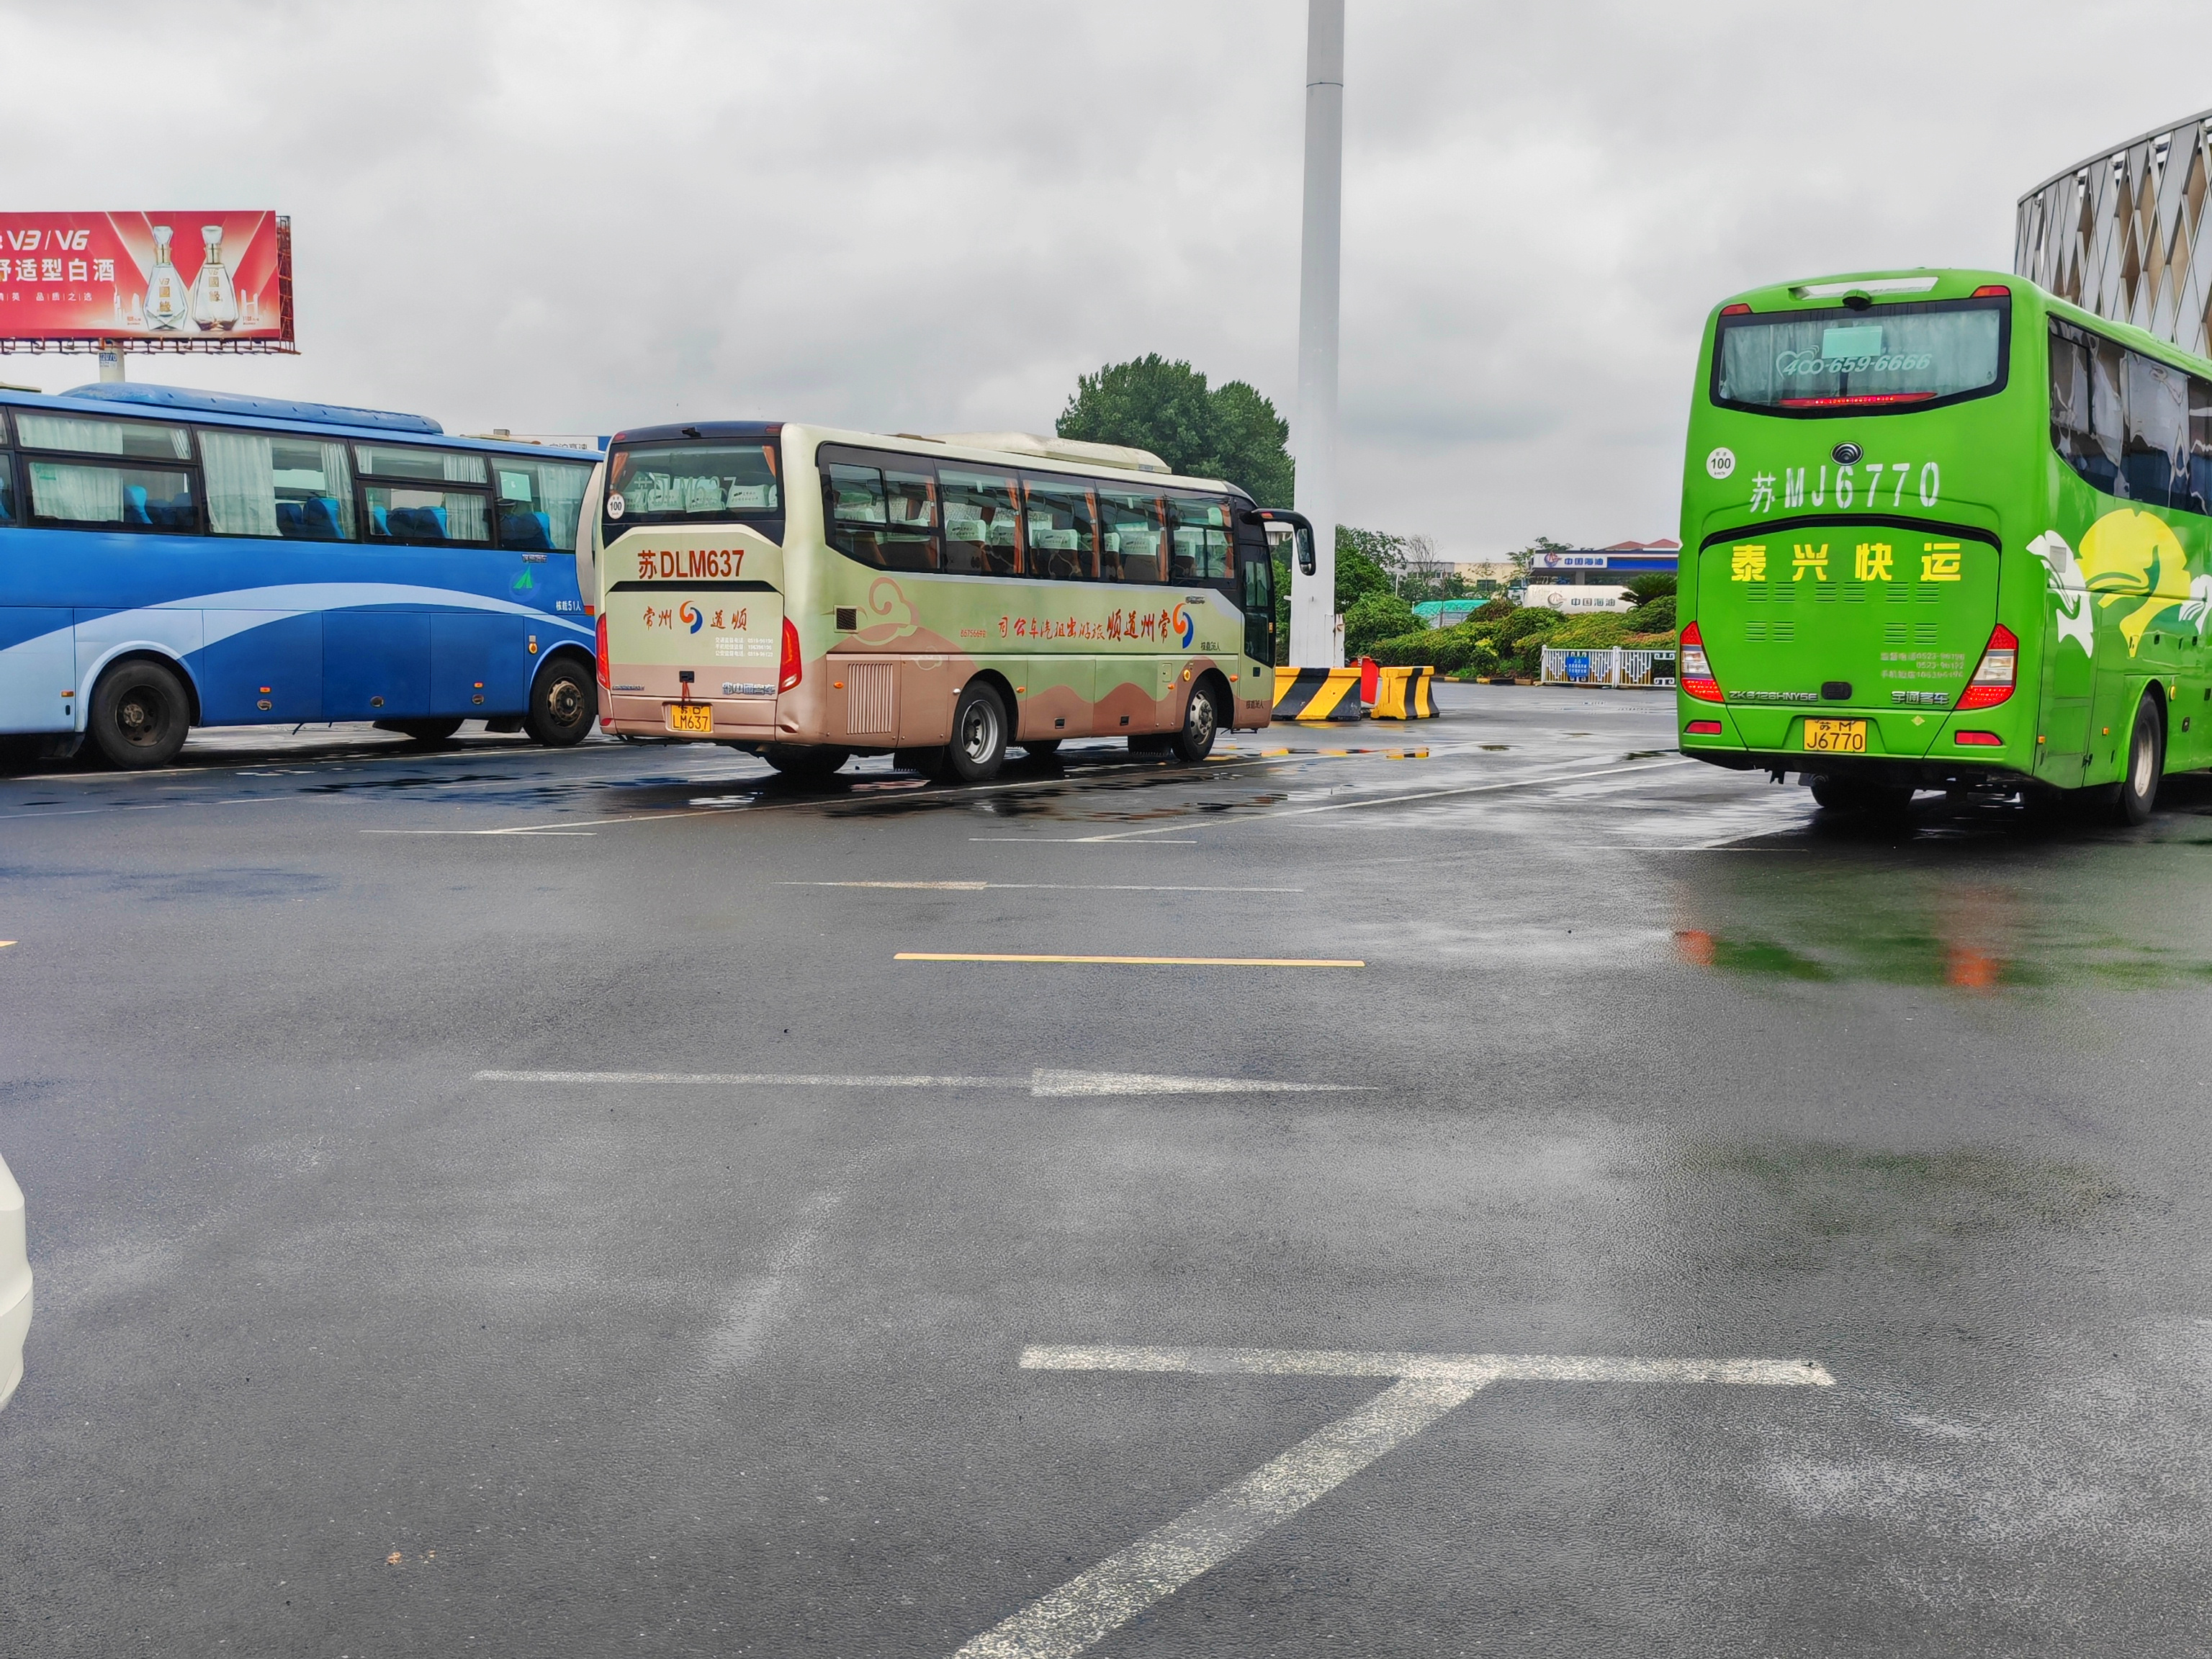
(569, 217)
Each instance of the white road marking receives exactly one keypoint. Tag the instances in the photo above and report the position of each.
(1039, 886)
(1074, 841)
(1093, 1604)
(1042, 1083)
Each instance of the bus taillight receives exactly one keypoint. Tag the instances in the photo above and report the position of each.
(788, 676)
(1993, 681)
(606, 674)
(1693, 673)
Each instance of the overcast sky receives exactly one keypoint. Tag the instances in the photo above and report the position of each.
(931, 216)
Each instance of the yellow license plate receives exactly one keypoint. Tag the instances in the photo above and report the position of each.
(1835, 737)
(698, 717)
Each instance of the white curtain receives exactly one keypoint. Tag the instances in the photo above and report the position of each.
(464, 517)
(60, 432)
(241, 483)
(81, 495)
(560, 497)
(463, 469)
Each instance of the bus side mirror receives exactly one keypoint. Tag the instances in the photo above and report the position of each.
(1307, 561)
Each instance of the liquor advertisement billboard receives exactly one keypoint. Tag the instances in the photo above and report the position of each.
(181, 281)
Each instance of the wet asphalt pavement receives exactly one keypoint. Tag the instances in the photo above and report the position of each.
(347, 1344)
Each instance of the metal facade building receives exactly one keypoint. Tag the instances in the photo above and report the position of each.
(2123, 233)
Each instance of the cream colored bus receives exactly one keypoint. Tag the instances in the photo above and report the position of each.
(809, 595)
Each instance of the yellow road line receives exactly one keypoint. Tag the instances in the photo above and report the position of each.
(5, 943)
(1163, 961)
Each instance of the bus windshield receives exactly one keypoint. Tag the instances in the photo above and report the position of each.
(1894, 355)
(692, 484)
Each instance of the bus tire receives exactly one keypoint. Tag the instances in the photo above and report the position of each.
(1201, 723)
(805, 763)
(424, 731)
(140, 714)
(1872, 800)
(563, 703)
(2138, 791)
(978, 748)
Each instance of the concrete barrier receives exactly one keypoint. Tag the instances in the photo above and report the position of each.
(1403, 693)
(1317, 694)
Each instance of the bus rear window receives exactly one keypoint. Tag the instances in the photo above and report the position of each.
(692, 484)
(1886, 357)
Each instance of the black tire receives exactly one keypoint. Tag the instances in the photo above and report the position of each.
(1872, 800)
(424, 731)
(1202, 724)
(978, 748)
(2138, 791)
(1043, 748)
(564, 701)
(140, 715)
(805, 763)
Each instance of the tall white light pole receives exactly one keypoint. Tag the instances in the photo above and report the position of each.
(1314, 643)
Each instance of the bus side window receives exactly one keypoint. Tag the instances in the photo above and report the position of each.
(266, 484)
(910, 529)
(539, 502)
(1062, 536)
(854, 502)
(1201, 550)
(981, 515)
(2070, 434)
(7, 475)
(2107, 374)
(1131, 535)
(2156, 456)
(2200, 445)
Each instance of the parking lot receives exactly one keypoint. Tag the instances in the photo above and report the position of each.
(495, 1199)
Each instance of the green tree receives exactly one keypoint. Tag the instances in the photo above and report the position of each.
(1229, 432)
(1378, 615)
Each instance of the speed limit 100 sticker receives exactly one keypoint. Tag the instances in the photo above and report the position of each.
(1720, 463)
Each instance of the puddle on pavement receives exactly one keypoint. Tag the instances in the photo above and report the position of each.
(2021, 908)
(1820, 1201)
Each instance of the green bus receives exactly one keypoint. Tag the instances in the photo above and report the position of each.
(1941, 530)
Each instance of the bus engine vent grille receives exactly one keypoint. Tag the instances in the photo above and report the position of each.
(871, 699)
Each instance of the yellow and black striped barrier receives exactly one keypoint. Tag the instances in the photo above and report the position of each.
(1402, 694)
(1317, 694)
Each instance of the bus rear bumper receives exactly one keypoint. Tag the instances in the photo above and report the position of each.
(1887, 771)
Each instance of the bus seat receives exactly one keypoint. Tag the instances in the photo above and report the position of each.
(381, 520)
(319, 518)
(291, 518)
(134, 505)
(531, 532)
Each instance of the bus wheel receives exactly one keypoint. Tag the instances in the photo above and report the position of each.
(979, 735)
(2146, 761)
(805, 763)
(423, 732)
(140, 715)
(1874, 800)
(1201, 720)
(563, 702)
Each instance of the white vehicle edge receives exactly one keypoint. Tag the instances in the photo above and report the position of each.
(15, 1285)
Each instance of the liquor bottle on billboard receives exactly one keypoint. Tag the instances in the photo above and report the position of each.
(168, 306)
(214, 301)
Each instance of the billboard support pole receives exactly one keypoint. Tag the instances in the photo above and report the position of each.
(110, 362)
(1315, 641)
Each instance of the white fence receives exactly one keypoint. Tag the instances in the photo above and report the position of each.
(1619, 665)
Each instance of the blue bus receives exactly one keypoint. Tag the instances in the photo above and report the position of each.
(172, 558)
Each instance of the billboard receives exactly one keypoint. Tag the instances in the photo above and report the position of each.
(181, 281)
